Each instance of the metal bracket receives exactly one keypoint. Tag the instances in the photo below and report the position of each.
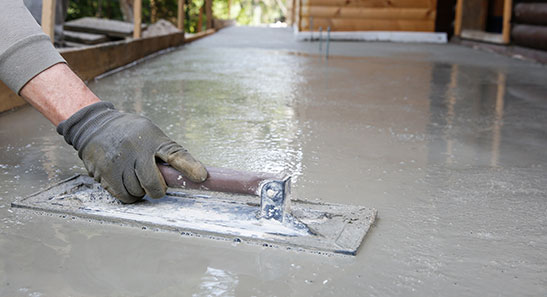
(274, 199)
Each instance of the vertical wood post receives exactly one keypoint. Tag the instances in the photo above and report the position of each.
(153, 11)
(180, 15)
(48, 18)
(507, 11)
(200, 20)
(458, 20)
(137, 18)
(209, 13)
(293, 12)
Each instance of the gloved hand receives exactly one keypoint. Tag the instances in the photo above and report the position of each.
(119, 150)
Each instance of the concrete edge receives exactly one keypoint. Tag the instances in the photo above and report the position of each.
(390, 36)
(513, 51)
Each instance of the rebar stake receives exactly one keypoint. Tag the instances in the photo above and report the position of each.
(320, 40)
(311, 29)
(328, 43)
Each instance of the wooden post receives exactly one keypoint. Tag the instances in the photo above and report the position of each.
(507, 11)
(458, 20)
(153, 11)
(200, 20)
(209, 13)
(293, 13)
(48, 18)
(180, 15)
(137, 18)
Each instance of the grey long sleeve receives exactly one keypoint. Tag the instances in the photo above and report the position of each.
(25, 50)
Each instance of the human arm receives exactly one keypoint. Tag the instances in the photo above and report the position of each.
(118, 149)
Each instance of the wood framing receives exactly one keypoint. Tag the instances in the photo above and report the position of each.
(180, 15)
(137, 18)
(106, 57)
(48, 18)
(507, 11)
(367, 15)
(470, 22)
(209, 13)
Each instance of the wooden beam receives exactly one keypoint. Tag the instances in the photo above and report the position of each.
(48, 18)
(458, 19)
(507, 11)
(300, 28)
(137, 18)
(106, 57)
(372, 3)
(209, 13)
(200, 19)
(338, 24)
(180, 15)
(369, 13)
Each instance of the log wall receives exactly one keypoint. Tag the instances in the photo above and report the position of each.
(530, 24)
(367, 15)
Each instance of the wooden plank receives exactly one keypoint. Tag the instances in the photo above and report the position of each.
(474, 14)
(458, 20)
(101, 26)
(209, 13)
(506, 30)
(48, 18)
(105, 57)
(372, 3)
(531, 13)
(137, 18)
(112, 55)
(530, 36)
(369, 13)
(200, 19)
(338, 24)
(84, 38)
(180, 15)
(482, 36)
(8, 99)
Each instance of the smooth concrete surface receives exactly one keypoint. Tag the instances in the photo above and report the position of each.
(448, 143)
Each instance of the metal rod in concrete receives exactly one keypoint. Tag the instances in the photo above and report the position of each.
(219, 180)
(311, 29)
(328, 43)
(320, 39)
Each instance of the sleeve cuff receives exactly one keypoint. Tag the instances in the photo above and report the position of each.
(26, 59)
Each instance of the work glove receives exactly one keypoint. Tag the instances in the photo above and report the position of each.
(120, 149)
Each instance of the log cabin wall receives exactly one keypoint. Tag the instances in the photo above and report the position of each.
(530, 24)
(367, 15)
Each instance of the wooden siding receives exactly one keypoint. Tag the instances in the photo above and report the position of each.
(367, 15)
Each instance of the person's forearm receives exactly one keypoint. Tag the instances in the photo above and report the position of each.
(58, 93)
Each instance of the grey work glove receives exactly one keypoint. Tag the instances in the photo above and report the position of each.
(119, 150)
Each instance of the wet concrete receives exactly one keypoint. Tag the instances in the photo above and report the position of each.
(447, 142)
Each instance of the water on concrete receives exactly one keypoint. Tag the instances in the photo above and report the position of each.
(447, 142)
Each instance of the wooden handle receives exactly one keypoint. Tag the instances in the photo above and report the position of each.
(219, 180)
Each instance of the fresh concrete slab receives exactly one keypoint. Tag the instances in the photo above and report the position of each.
(446, 141)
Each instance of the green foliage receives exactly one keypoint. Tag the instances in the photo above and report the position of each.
(245, 12)
(83, 8)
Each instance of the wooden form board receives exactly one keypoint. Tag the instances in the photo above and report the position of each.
(471, 17)
(367, 15)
